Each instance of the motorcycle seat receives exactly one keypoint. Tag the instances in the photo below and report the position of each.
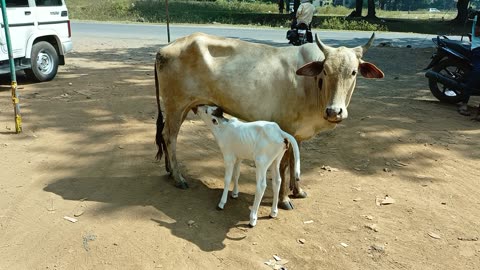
(459, 47)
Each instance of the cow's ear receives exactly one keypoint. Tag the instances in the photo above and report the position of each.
(311, 69)
(369, 70)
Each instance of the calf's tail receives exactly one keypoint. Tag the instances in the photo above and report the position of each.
(296, 153)
(159, 140)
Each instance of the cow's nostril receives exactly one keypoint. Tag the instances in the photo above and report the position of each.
(340, 112)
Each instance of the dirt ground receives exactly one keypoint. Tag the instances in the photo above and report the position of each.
(88, 150)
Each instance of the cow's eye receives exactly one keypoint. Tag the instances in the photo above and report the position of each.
(354, 73)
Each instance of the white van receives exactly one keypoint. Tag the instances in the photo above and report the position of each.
(40, 36)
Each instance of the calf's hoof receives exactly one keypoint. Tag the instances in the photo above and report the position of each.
(219, 208)
(286, 205)
(300, 195)
(181, 185)
(234, 196)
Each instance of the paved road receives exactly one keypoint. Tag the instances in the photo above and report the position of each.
(157, 32)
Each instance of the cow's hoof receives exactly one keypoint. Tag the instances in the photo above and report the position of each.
(181, 185)
(286, 205)
(300, 195)
(219, 208)
(234, 196)
(250, 225)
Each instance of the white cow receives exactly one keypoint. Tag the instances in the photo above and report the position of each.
(304, 89)
(261, 141)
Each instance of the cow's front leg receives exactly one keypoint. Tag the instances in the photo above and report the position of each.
(173, 122)
(284, 201)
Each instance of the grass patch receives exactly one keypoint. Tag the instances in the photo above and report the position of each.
(258, 13)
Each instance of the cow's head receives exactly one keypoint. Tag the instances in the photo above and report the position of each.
(336, 76)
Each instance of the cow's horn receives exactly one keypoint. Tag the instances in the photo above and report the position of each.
(369, 43)
(320, 44)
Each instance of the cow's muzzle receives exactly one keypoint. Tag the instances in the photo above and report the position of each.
(333, 115)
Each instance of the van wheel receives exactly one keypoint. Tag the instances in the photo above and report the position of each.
(44, 62)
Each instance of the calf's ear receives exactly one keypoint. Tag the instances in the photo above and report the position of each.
(311, 69)
(369, 70)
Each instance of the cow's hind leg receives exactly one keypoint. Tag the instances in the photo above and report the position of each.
(173, 121)
(284, 201)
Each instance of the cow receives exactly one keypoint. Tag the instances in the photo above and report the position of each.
(262, 141)
(305, 89)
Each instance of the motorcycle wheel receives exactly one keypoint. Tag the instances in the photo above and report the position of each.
(455, 70)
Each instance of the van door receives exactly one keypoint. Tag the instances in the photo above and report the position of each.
(21, 17)
(53, 15)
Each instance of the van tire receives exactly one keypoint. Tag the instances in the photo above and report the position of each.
(44, 62)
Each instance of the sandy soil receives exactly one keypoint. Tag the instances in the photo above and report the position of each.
(88, 150)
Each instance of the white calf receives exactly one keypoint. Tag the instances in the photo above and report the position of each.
(262, 141)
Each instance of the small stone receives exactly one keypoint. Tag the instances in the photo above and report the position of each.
(301, 241)
(387, 170)
(357, 199)
(344, 245)
(369, 217)
(388, 200)
(120, 147)
(353, 228)
(73, 220)
(190, 223)
(372, 227)
(468, 238)
(377, 248)
(70, 83)
(308, 222)
(434, 235)
(444, 203)
(277, 258)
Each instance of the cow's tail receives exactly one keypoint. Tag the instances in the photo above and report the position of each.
(159, 140)
(296, 153)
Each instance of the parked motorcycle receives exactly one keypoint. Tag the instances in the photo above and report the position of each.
(449, 69)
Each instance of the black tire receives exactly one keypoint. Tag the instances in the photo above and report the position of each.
(455, 70)
(44, 62)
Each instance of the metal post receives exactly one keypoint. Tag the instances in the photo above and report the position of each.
(168, 20)
(16, 105)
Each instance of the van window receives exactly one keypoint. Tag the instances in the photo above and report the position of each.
(17, 3)
(49, 3)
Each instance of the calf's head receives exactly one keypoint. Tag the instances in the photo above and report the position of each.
(211, 115)
(336, 76)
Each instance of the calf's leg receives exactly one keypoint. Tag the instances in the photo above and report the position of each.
(260, 190)
(229, 167)
(294, 184)
(276, 181)
(236, 175)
